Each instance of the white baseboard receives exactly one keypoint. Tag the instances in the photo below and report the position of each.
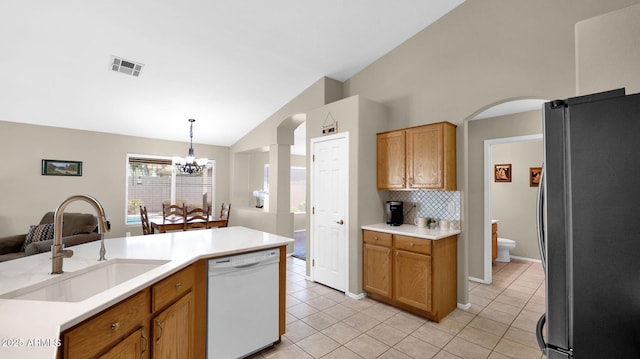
(479, 280)
(464, 306)
(527, 259)
(356, 296)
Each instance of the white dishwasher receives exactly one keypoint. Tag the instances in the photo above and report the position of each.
(242, 304)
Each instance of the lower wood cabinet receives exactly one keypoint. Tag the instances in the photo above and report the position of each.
(106, 329)
(134, 346)
(415, 274)
(494, 241)
(173, 330)
(412, 279)
(166, 309)
(377, 249)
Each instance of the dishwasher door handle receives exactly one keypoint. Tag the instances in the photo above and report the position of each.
(247, 265)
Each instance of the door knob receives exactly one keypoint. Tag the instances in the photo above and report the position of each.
(340, 222)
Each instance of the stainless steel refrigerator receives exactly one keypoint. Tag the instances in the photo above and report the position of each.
(589, 227)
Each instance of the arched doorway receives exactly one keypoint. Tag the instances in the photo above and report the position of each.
(494, 121)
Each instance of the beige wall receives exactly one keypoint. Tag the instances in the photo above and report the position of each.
(27, 195)
(362, 119)
(480, 54)
(608, 52)
(514, 203)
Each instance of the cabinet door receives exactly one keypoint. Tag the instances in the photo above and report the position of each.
(425, 157)
(173, 330)
(391, 160)
(376, 272)
(494, 241)
(132, 347)
(413, 279)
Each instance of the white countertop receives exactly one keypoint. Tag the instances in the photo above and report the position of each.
(24, 321)
(411, 230)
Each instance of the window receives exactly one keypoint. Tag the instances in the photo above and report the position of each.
(153, 180)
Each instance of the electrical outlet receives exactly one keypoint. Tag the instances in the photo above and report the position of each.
(451, 207)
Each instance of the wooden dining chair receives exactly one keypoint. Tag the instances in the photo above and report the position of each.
(173, 213)
(146, 225)
(225, 212)
(196, 218)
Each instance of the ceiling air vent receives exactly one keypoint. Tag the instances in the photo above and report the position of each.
(126, 66)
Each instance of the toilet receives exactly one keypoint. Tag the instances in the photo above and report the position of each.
(504, 246)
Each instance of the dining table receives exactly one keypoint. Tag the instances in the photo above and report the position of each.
(177, 223)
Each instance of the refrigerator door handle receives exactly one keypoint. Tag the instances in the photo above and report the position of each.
(542, 244)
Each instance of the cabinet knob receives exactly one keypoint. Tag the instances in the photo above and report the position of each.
(178, 285)
(376, 238)
(115, 326)
(412, 244)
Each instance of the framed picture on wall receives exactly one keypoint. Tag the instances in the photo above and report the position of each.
(502, 173)
(534, 176)
(61, 168)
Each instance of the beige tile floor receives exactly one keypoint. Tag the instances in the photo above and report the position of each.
(324, 323)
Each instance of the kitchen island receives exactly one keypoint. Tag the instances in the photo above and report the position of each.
(33, 328)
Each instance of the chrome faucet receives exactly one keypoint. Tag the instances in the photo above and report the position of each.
(57, 249)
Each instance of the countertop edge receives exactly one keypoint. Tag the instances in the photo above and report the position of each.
(411, 230)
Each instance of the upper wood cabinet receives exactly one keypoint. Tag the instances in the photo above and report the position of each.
(422, 157)
(391, 149)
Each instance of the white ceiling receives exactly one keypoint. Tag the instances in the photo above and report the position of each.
(229, 64)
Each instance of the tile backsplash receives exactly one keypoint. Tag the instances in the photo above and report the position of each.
(435, 204)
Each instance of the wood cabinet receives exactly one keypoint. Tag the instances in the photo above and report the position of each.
(415, 274)
(134, 346)
(167, 309)
(390, 154)
(494, 241)
(173, 330)
(106, 329)
(422, 157)
(173, 326)
(377, 255)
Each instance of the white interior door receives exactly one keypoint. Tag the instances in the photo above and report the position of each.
(329, 201)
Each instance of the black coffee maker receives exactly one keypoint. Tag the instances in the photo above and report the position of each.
(395, 215)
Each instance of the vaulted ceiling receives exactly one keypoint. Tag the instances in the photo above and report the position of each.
(229, 64)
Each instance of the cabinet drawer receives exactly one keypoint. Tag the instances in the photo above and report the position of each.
(377, 238)
(413, 244)
(171, 288)
(98, 333)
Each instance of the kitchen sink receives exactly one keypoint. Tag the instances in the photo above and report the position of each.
(82, 284)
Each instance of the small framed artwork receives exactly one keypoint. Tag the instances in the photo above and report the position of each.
(61, 168)
(534, 176)
(502, 173)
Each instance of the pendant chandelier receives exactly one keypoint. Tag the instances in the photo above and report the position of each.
(191, 165)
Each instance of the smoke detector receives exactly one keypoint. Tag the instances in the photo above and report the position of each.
(128, 67)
